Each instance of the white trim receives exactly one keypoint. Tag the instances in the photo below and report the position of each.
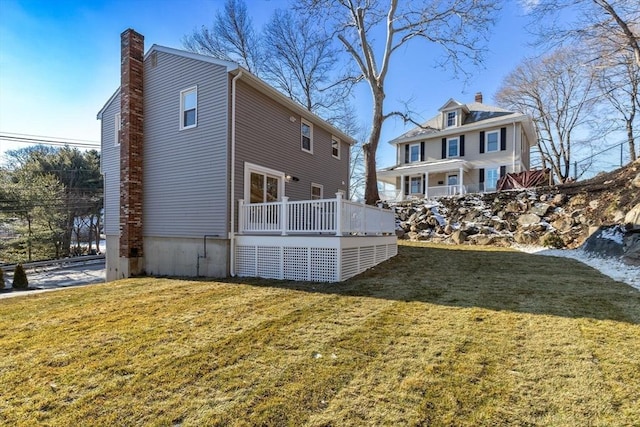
(446, 119)
(304, 122)
(417, 144)
(457, 138)
(183, 94)
(117, 128)
(337, 140)
(321, 187)
(486, 141)
(251, 167)
(420, 179)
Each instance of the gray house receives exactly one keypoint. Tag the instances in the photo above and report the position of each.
(201, 158)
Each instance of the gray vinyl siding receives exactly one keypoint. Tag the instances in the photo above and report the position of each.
(266, 135)
(185, 171)
(110, 167)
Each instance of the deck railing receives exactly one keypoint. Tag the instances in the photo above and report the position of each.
(337, 217)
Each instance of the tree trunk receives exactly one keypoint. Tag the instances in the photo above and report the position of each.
(632, 144)
(371, 195)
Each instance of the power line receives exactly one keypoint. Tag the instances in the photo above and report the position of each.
(48, 140)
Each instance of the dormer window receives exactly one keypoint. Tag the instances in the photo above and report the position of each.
(451, 118)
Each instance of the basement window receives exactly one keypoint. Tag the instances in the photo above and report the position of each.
(189, 108)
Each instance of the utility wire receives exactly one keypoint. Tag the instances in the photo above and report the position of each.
(47, 140)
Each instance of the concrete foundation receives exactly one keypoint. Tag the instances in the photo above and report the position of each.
(171, 256)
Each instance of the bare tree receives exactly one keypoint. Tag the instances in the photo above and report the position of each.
(457, 26)
(231, 38)
(585, 20)
(302, 64)
(608, 33)
(558, 93)
(618, 79)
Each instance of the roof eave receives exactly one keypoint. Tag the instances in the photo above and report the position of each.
(515, 117)
(107, 104)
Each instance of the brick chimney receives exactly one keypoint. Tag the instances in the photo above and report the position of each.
(479, 97)
(131, 146)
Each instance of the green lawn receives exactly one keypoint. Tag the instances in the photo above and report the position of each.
(438, 335)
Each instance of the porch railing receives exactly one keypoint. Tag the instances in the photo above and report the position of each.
(337, 217)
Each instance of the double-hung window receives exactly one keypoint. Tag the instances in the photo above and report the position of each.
(306, 134)
(189, 108)
(453, 147)
(414, 153)
(493, 141)
(316, 191)
(335, 147)
(451, 119)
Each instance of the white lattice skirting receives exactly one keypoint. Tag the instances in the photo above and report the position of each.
(310, 258)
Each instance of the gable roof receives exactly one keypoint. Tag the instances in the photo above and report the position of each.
(478, 116)
(257, 83)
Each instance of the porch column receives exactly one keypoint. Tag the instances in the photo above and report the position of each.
(426, 185)
(401, 188)
(339, 207)
(461, 182)
(284, 211)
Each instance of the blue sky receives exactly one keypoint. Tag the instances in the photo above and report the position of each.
(60, 62)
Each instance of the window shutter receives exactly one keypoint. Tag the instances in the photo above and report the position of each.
(424, 185)
(503, 171)
(481, 142)
(422, 151)
(461, 145)
(503, 139)
(406, 153)
(406, 185)
(444, 148)
(481, 177)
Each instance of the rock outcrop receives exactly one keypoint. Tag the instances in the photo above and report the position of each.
(604, 217)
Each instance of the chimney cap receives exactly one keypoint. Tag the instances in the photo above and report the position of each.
(479, 97)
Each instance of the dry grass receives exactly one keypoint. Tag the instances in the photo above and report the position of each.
(436, 336)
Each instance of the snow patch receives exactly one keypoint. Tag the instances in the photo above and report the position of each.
(612, 267)
(614, 233)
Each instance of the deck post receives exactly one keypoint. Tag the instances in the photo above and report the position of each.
(241, 224)
(284, 215)
(339, 207)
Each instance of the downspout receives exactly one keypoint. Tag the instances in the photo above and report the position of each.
(232, 246)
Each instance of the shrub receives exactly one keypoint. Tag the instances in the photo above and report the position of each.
(553, 240)
(20, 278)
(1, 279)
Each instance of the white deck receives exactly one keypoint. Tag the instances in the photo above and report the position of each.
(326, 240)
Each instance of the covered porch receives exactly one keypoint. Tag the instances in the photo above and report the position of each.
(325, 240)
(430, 179)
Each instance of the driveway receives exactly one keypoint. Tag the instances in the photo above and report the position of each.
(49, 278)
